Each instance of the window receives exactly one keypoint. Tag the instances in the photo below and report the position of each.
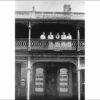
(63, 80)
(39, 80)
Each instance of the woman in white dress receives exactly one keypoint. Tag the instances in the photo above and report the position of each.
(50, 36)
(57, 42)
(51, 44)
(42, 36)
(57, 36)
(63, 43)
(69, 43)
(42, 43)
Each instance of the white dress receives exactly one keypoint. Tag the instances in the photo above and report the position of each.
(50, 37)
(57, 42)
(51, 44)
(42, 37)
(63, 43)
(69, 43)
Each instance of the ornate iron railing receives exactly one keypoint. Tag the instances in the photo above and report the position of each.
(53, 44)
(56, 45)
(21, 44)
(81, 44)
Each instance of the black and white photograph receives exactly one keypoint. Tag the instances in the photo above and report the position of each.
(49, 50)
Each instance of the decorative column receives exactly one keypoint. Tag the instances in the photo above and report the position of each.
(78, 38)
(79, 89)
(29, 37)
(29, 62)
(28, 78)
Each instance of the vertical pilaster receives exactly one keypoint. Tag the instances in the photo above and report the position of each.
(29, 36)
(78, 38)
(28, 78)
(79, 91)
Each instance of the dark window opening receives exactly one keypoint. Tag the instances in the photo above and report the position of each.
(82, 33)
(21, 31)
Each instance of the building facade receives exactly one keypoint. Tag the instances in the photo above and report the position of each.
(49, 69)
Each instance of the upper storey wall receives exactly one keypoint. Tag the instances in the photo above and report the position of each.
(49, 15)
(50, 9)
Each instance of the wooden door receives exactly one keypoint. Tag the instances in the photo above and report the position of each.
(20, 81)
(51, 84)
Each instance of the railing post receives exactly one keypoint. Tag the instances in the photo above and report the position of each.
(79, 90)
(29, 37)
(78, 39)
(28, 78)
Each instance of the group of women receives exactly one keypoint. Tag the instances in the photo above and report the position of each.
(62, 41)
(63, 36)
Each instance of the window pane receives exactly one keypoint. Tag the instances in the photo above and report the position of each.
(39, 80)
(63, 80)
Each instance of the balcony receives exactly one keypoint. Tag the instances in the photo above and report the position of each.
(55, 45)
(49, 15)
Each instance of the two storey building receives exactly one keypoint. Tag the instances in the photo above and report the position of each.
(46, 69)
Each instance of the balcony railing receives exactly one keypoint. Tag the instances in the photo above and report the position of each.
(49, 15)
(81, 44)
(56, 45)
(21, 44)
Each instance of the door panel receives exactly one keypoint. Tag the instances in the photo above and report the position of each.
(51, 84)
(20, 80)
(63, 85)
(17, 79)
(39, 82)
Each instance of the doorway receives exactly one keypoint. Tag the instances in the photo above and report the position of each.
(55, 80)
(20, 80)
(51, 81)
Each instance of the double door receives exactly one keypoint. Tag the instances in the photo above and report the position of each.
(52, 82)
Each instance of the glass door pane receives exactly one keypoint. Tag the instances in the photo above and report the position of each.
(63, 82)
(39, 81)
